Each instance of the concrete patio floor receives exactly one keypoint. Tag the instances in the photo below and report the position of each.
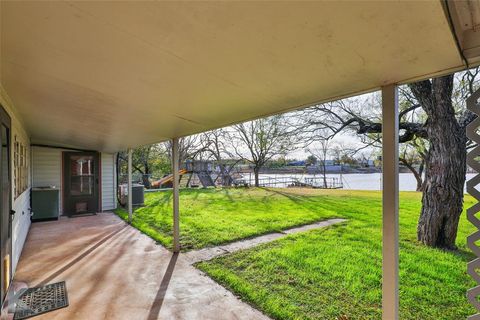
(113, 271)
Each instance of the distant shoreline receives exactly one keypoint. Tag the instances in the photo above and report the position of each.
(297, 170)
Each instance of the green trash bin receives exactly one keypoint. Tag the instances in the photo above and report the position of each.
(45, 203)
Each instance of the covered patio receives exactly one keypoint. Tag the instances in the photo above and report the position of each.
(116, 272)
(114, 76)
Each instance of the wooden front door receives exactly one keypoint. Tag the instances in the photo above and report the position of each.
(80, 182)
(6, 214)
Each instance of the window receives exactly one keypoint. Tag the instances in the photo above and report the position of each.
(82, 175)
(20, 167)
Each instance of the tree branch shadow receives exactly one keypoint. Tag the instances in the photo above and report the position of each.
(81, 256)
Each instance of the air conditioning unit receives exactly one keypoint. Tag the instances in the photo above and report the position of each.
(137, 194)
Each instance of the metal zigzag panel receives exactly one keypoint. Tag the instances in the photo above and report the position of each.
(473, 160)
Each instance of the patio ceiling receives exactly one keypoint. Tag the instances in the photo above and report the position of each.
(112, 75)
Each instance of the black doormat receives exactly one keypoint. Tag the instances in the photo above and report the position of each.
(35, 301)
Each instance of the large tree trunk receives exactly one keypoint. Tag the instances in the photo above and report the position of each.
(324, 173)
(146, 175)
(226, 178)
(256, 171)
(445, 169)
(146, 181)
(420, 172)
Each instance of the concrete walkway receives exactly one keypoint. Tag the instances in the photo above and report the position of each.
(210, 253)
(113, 271)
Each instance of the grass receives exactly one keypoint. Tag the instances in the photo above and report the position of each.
(321, 274)
(335, 273)
(210, 217)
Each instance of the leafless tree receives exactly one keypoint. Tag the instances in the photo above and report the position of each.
(321, 152)
(344, 153)
(413, 155)
(433, 111)
(216, 147)
(189, 147)
(260, 140)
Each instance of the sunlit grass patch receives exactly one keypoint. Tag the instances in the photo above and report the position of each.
(334, 272)
(210, 217)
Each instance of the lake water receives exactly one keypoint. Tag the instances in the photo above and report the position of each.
(351, 181)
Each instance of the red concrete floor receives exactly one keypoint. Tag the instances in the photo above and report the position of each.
(112, 271)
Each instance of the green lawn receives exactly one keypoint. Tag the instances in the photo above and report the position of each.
(209, 217)
(320, 274)
(334, 272)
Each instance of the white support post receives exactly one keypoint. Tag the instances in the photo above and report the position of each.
(176, 194)
(390, 300)
(130, 205)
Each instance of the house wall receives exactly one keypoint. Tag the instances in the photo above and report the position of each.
(109, 176)
(20, 204)
(47, 171)
(44, 167)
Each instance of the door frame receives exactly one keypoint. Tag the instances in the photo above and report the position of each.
(98, 159)
(7, 122)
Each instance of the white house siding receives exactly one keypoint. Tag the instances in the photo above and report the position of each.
(20, 225)
(109, 199)
(21, 204)
(47, 168)
(47, 171)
